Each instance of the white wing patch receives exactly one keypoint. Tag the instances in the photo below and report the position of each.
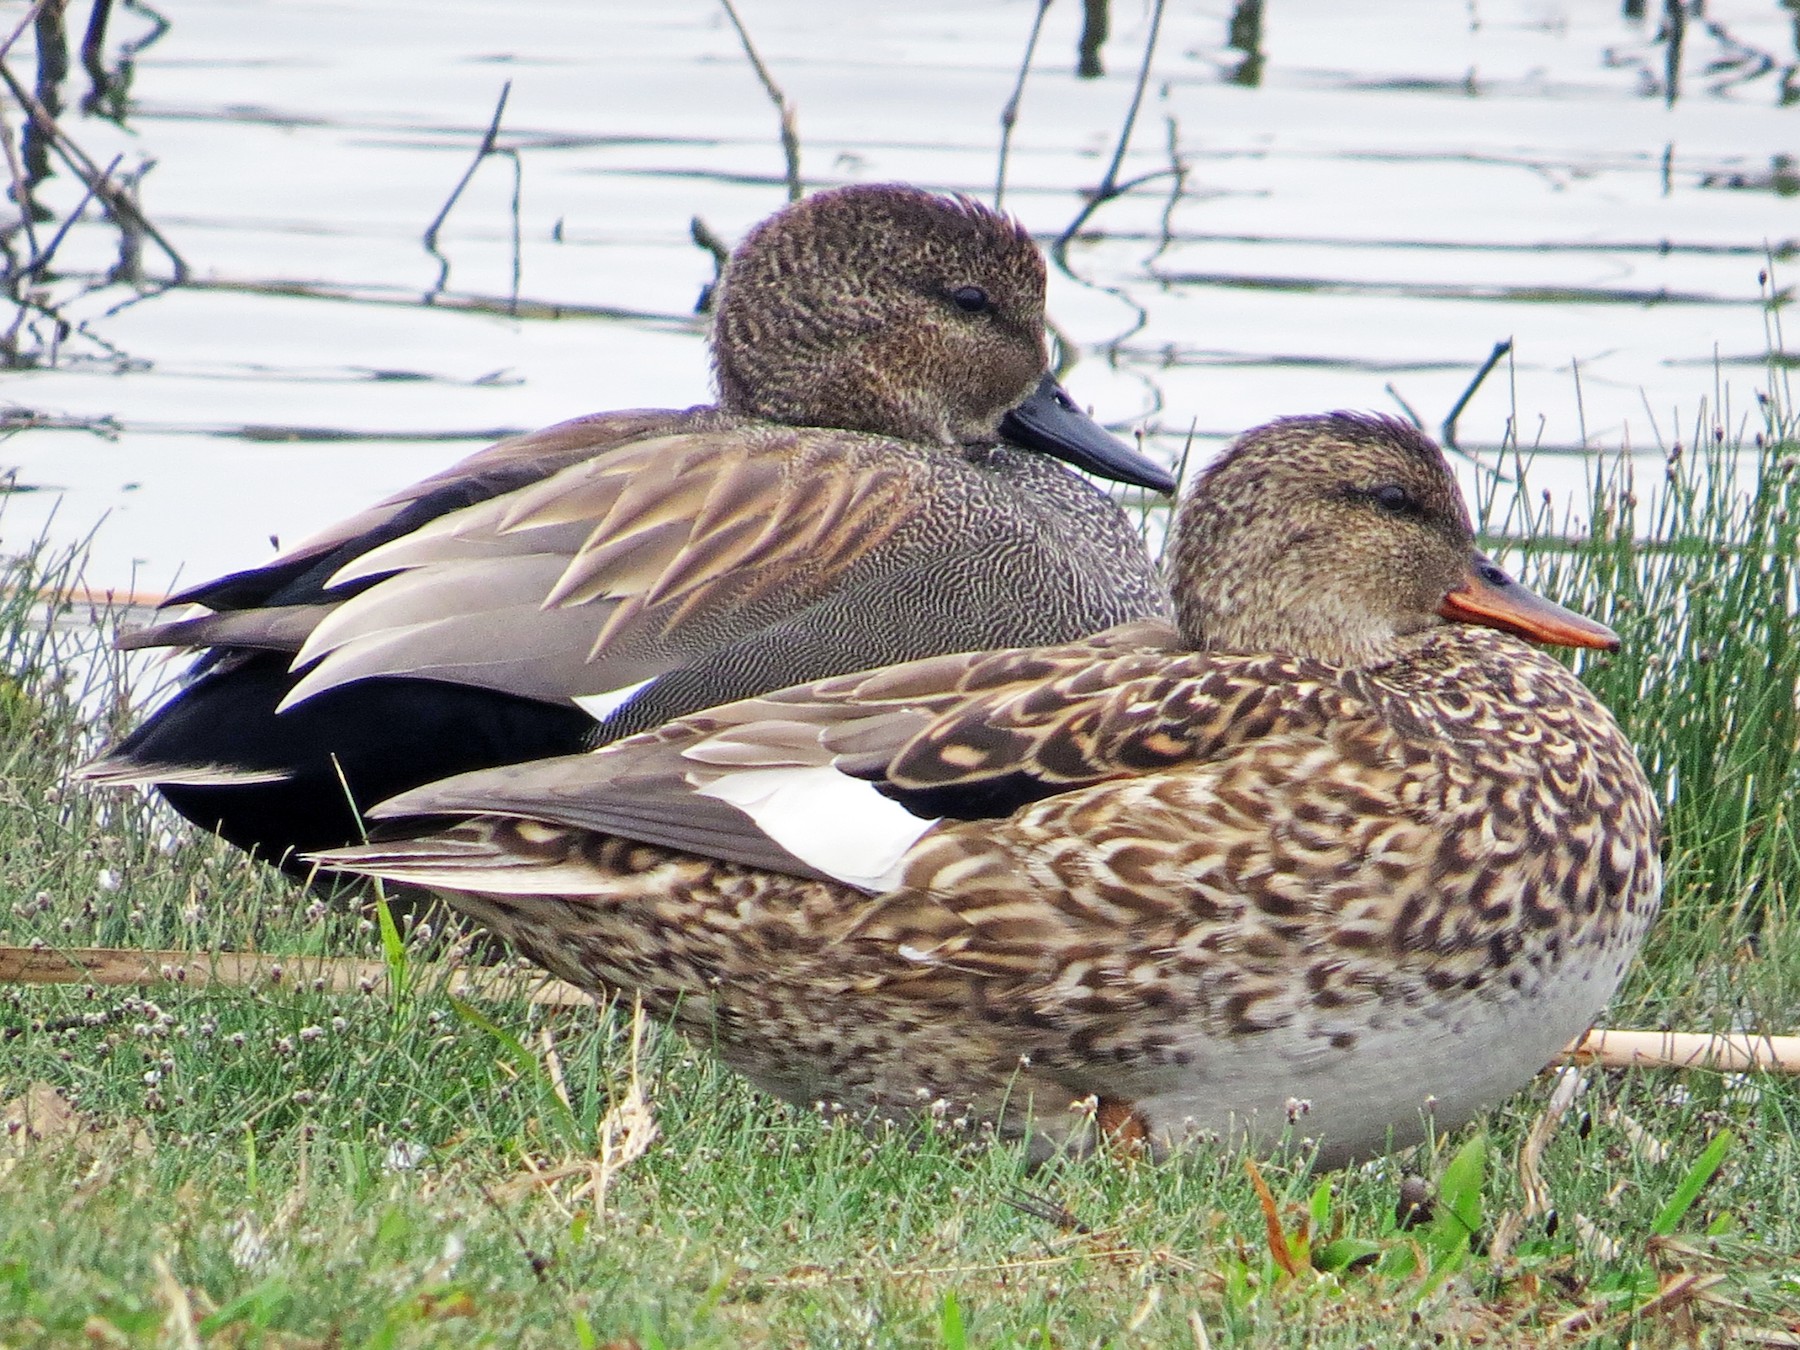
(602, 706)
(840, 825)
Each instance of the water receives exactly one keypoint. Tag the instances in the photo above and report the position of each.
(1403, 186)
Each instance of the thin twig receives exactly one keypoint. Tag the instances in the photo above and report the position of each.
(1137, 97)
(1580, 402)
(29, 18)
(518, 243)
(35, 267)
(61, 328)
(123, 209)
(1178, 171)
(704, 236)
(1059, 249)
(790, 132)
(1009, 115)
(21, 188)
(129, 268)
(1448, 430)
(1110, 186)
(1412, 413)
(482, 151)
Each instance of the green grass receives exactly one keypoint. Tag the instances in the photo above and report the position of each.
(285, 1167)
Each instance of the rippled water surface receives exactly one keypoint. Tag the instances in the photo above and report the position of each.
(1347, 208)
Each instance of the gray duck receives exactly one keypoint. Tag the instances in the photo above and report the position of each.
(1338, 854)
(875, 483)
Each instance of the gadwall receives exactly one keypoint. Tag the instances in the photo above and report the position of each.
(1325, 862)
(874, 484)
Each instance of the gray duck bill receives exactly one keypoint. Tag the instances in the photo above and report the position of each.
(1049, 422)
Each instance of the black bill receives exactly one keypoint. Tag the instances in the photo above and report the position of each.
(1049, 422)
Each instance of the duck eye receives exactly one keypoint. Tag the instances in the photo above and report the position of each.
(1394, 499)
(1494, 576)
(970, 299)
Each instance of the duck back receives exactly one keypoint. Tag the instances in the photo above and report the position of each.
(994, 547)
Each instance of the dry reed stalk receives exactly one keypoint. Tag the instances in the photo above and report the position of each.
(1604, 1046)
(1736, 1052)
(337, 975)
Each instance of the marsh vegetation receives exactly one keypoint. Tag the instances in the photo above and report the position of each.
(295, 1162)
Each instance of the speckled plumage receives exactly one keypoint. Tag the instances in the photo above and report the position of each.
(1205, 892)
(810, 333)
(861, 494)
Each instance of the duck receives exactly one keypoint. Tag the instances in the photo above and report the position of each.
(1337, 857)
(877, 480)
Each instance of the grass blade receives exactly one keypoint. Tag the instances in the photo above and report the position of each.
(1671, 1214)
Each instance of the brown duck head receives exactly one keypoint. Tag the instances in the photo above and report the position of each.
(886, 309)
(1336, 536)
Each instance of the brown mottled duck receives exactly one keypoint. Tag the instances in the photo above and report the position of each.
(1341, 853)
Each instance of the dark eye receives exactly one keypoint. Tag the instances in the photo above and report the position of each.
(970, 299)
(1394, 499)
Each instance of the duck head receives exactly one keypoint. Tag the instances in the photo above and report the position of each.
(1337, 536)
(886, 309)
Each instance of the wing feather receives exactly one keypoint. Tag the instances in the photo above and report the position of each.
(846, 778)
(282, 628)
(655, 548)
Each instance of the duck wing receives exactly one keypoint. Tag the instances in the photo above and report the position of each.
(275, 606)
(843, 777)
(617, 568)
(603, 578)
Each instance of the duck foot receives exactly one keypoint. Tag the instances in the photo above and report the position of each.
(1122, 1127)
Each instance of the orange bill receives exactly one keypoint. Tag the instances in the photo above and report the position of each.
(1487, 596)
